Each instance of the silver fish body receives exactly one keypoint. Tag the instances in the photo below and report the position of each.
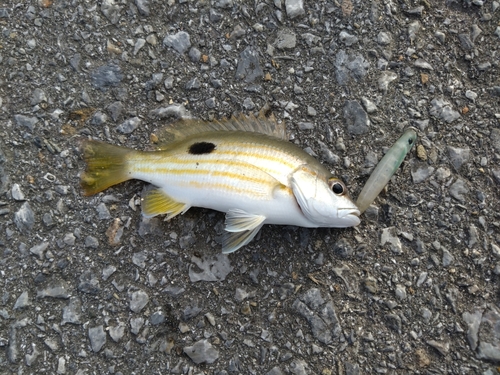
(254, 178)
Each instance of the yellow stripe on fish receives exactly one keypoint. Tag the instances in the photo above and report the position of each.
(273, 159)
(255, 178)
(224, 175)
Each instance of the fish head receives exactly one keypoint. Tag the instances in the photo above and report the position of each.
(324, 200)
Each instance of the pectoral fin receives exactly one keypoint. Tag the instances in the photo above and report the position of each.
(156, 202)
(241, 228)
(239, 220)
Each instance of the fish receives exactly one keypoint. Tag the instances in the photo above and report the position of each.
(244, 166)
(385, 169)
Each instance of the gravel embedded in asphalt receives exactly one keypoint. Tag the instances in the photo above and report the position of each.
(89, 285)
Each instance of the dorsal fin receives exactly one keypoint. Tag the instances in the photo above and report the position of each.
(264, 123)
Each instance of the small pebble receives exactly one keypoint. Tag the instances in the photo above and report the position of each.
(311, 111)
(400, 292)
(356, 118)
(440, 36)
(180, 42)
(495, 249)
(183, 327)
(422, 64)
(443, 110)
(328, 154)
(193, 84)
(421, 279)
(103, 212)
(116, 110)
(305, 125)
(458, 156)
(69, 239)
(72, 312)
(469, 94)
(420, 171)
(442, 174)
(384, 38)
(24, 218)
(129, 125)
(248, 104)
(240, 295)
(202, 352)
(347, 38)
(294, 8)
(106, 76)
(98, 118)
(136, 325)
(139, 259)
(138, 45)
(370, 106)
(138, 300)
(191, 311)
(320, 314)
(16, 192)
(413, 29)
(22, 301)
(91, 241)
(389, 236)
(111, 11)
(458, 190)
(117, 332)
(31, 358)
(88, 283)
(385, 78)
(61, 365)
(210, 318)
(213, 268)
(442, 347)
(448, 258)
(97, 338)
(248, 68)
(59, 291)
(421, 153)
(26, 121)
(39, 250)
(426, 314)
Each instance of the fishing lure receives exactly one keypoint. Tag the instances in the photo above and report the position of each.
(385, 169)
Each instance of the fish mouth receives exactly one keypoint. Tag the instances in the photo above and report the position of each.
(350, 214)
(343, 212)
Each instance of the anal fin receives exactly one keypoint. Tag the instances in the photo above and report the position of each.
(156, 202)
(241, 228)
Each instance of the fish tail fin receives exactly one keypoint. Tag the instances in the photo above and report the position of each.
(106, 166)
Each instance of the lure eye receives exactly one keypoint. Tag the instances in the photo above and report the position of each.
(337, 187)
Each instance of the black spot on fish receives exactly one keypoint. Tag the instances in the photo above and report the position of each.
(200, 148)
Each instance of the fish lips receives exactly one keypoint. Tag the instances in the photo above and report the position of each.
(350, 215)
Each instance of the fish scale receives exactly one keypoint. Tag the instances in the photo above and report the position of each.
(233, 167)
(225, 169)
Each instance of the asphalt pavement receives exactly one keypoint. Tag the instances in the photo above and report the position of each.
(89, 286)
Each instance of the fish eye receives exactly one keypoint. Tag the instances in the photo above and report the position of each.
(337, 187)
(410, 141)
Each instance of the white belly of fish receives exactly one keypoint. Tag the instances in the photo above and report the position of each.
(227, 192)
